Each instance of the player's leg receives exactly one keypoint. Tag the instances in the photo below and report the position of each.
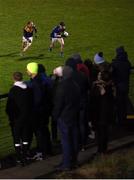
(53, 40)
(28, 44)
(24, 44)
(26, 47)
(61, 41)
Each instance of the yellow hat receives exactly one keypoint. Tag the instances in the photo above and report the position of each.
(32, 67)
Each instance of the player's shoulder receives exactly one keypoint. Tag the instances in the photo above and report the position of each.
(25, 27)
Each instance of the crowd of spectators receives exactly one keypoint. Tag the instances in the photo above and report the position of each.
(79, 100)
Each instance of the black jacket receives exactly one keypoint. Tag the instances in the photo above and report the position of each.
(18, 105)
(121, 70)
(67, 101)
(102, 105)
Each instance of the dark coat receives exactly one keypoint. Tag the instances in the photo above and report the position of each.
(102, 105)
(41, 95)
(121, 70)
(67, 101)
(18, 105)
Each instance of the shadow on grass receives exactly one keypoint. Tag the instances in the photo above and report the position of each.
(40, 57)
(13, 54)
(17, 54)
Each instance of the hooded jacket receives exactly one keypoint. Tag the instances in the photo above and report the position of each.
(19, 102)
(67, 99)
(121, 70)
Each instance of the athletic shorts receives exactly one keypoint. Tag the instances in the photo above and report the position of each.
(60, 40)
(27, 40)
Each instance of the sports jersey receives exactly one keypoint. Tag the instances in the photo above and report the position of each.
(28, 31)
(56, 31)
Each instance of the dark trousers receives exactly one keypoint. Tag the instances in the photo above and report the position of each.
(20, 132)
(54, 129)
(69, 140)
(39, 127)
(20, 138)
(42, 135)
(102, 138)
(83, 125)
(121, 106)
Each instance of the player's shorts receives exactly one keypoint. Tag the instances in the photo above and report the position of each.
(27, 40)
(60, 40)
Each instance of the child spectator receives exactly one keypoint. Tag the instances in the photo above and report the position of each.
(18, 108)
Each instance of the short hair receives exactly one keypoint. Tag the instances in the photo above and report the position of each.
(18, 76)
(100, 54)
(62, 23)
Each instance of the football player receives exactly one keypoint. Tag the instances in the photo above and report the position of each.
(57, 34)
(27, 38)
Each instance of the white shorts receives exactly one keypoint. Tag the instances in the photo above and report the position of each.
(26, 40)
(60, 40)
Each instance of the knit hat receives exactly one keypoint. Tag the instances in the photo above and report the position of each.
(32, 67)
(98, 58)
(58, 71)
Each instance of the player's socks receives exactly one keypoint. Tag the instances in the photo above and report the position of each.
(50, 49)
(61, 54)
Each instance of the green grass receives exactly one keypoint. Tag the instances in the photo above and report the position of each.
(119, 165)
(93, 25)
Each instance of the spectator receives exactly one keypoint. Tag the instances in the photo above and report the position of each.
(56, 79)
(47, 86)
(90, 131)
(40, 111)
(82, 81)
(66, 109)
(103, 97)
(18, 109)
(98, 63)
(121, 72)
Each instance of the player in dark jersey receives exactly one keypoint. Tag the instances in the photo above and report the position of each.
(57, 34)
(27, 38)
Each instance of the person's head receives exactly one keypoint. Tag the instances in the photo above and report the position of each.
(105, 76)
(77, 58)
(120, 50)
(121, 54)
(17, 76)
(62, 25)
(41, 68)
(72, 63)
(58, 71)
(88, 63)
(32, 69)
(98, 58)
(67, 72)
(29, 23)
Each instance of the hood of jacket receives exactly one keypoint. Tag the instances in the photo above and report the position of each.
(20, 84)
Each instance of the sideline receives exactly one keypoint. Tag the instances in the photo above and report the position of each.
(41, 168)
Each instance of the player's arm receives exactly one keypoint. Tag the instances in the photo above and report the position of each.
(57, 35)
(35, 29)
(25, 32)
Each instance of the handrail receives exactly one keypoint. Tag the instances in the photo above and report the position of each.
(3, 96)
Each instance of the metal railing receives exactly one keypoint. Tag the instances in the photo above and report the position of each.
(6, 143)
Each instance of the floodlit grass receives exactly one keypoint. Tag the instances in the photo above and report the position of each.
(119, 165)
(93, 25)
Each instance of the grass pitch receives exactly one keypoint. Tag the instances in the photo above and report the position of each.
(93, 26)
